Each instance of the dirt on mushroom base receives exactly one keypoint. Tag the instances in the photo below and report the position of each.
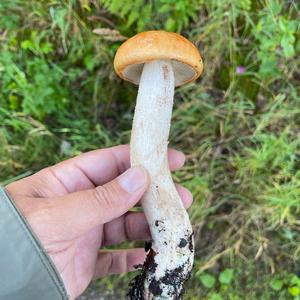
(171, 278)
(175, 278)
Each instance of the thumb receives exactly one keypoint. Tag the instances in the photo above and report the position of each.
(79, 212)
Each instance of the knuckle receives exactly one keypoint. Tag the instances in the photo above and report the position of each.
(103, 198)
(110, 263)
(128, 227)
(125, 263)
(120, 263)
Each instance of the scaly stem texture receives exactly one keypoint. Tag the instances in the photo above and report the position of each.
(170, 260)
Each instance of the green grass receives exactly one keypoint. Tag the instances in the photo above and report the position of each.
(59, 96)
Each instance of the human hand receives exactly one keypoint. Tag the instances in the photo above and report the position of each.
(80, 205)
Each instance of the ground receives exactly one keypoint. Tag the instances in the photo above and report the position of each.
(96, 293)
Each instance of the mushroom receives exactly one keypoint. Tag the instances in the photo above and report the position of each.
(158, 61)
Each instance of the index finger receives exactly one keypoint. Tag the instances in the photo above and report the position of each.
(92, 169)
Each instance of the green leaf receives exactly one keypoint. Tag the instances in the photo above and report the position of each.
(13, 102)
(268, 65)
(89, 62)
(226, 276)
(46, 48)
(58, 16)
(207, 280)
(292, 26)
(276, 284)
(268, 45)
(294, 291)
(275, 6)
(133, 16)
(259, 26)
(210, 225)
(171, 24)
(215, 297)
(283, 24)
(164, 8)
(27, 44)
(287, 45)
(295, 280)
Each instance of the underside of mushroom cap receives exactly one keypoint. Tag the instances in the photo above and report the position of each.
(158, 45)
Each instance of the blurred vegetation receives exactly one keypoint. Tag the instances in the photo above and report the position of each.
(239, 124)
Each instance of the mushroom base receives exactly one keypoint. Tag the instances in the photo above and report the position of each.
(174, 278)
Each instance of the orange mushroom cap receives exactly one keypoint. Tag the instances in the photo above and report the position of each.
(158, 45)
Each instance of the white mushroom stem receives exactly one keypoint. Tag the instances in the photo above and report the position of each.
(172, 236)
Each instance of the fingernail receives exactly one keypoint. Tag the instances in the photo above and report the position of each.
(133, 179)
(180, 157)
(190, 196)
(185, 194)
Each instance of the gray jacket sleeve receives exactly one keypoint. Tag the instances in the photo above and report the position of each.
(26, 271)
